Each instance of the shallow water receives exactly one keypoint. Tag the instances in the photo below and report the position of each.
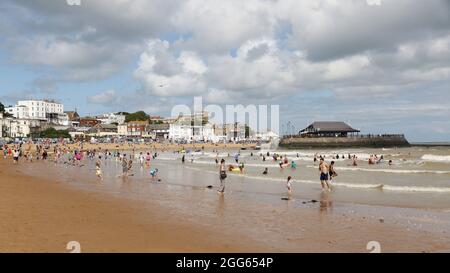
(419, 178)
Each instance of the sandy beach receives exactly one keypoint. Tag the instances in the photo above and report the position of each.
(43, 216)
(42, 213)
(150, 146)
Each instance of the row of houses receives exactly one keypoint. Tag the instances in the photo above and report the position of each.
(29, 118)
(165, 131)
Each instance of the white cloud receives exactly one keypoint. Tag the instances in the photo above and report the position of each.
(105, 98)
(186, 77)
(236, 50)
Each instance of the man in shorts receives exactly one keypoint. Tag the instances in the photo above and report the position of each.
(324, 171)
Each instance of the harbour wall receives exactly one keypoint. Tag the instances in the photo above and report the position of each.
(344, 142)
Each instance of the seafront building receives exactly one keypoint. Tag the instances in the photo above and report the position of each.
(336, 134)
(43, 110)
(13, 127)
(111, 118)
(30, 117)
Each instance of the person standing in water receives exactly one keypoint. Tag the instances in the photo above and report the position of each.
(333, 173)
(98, 170)
(124, 167)
(141, 159)
(222, 176)
(324, 171)
(293, 165)
(16, 154)
(289, 186)
(147, 160)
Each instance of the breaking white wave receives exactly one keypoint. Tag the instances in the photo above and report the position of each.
(388, 170)
(436, 158)
(381, 187)
(416, 189)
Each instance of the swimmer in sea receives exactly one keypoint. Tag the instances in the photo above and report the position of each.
(266, 171)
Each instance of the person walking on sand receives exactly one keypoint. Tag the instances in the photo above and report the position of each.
(324, 171)
(222, 176)
(141, 159)
(147, 160)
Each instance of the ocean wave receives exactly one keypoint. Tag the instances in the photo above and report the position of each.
(381, 187)
(387, 170)
(436, 158)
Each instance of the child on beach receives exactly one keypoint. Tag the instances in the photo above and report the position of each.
(141, 159)
(16, 156)
(124, 167)
(147, 160)
(289, 185)
(154, 174)
(98, 170)
(241, 167)
(293, 165)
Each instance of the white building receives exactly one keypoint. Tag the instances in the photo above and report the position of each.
(47, 110)
(266, 136)
(122, 129)
(111, 118)
(10, 127)
(20, 111)
(188, 133)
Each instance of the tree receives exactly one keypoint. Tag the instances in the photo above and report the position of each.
(140, 115)
(2, 110)
(53, 133)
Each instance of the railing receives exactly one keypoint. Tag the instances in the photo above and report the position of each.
(349, 136)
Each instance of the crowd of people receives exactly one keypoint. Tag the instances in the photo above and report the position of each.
(61, 153)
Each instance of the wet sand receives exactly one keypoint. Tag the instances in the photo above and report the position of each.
(42, 215)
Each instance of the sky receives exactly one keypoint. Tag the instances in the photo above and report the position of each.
(382, 68)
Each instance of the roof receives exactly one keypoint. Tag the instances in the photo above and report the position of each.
(72, 115)
(329, 126)
(155, 127)
(105, 126)
(138, 122)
